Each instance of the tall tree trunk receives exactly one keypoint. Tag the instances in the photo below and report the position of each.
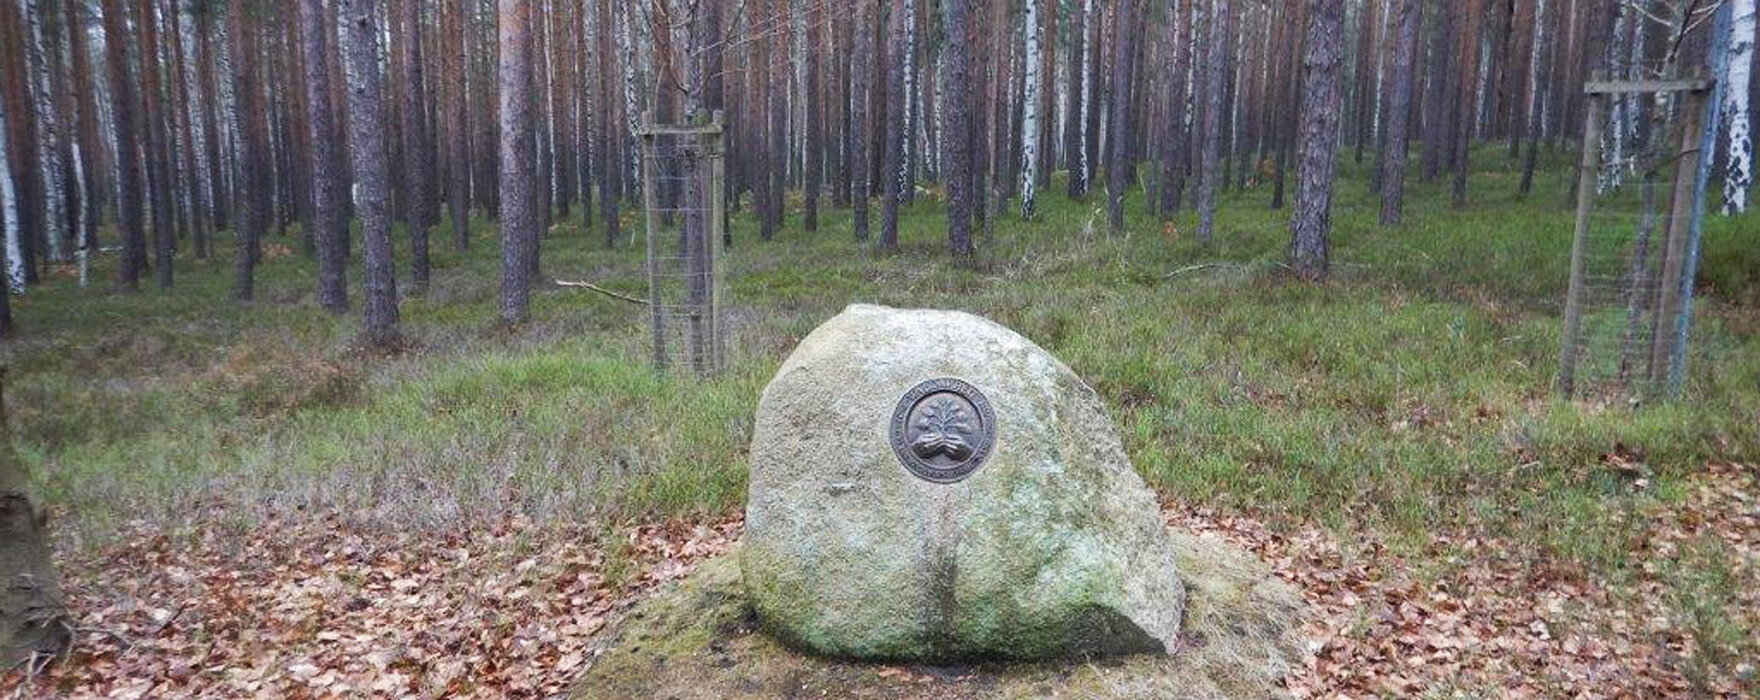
(814, 93)
(562, 83)
(1466, 116)
(207, 91)
(128, 166)
(1209, 174)
(34, 624)
(367, 146)
(610, 128)
(955, 79)
(1073, 136)
(861, 102)
(85, 92)
(520, 217)
(254, 166)
(1118, 175)
(1393, 148)
(418, 178)
(9, 232)
(1311, 220)
(892, 170)
(1033, 59)
(198, 215)
(159, 178)
(1364, 114)
(327, 209)
(26, 164)
(454, 122)
(1740, 173)
(1173, 107)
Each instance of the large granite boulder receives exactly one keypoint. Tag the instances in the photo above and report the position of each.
(929, 485)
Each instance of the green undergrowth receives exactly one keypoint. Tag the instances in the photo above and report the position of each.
(1410, 392)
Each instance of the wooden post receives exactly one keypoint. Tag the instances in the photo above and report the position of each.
(1573, 301)
(1680, 213)
(656, 311)
(717, 224)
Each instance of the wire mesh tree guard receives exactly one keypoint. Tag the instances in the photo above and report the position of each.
(1640, 203)
(682, 174)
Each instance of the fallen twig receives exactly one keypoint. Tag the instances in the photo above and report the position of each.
(602, 290)
(1191, 268)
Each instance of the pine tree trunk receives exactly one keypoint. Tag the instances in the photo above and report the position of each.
(815, 126)
(860, 103)
(1073, 137)
(85, 91)
(956, 128)
(892, 167)
(610, 129)
(254, 165)
(34, 624)
(418, 180)
(128, 167)
(1173, 107)
(367, 147)
(1393, 149)
(520, 217)
(1118, 160)
(1209, 174)
(327, 207)
(1466, 115)
(159, 178)
(454, 122)
(1311, 220)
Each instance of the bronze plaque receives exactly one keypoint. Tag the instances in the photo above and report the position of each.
(943, 430)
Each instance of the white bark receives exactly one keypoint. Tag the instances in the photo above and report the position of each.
(54, 201)
(9, 214)
(1740, 176)
(1030, 110)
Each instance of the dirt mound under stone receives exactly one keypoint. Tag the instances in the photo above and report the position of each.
(698, 639)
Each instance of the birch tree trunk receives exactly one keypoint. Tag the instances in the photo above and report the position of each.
(1311, 220)
(1030, 107)
(22, 131)
(8, 231)
(56, 220)
(367, 145)
(1740, 175)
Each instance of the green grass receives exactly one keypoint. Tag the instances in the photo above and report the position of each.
(1412, 391)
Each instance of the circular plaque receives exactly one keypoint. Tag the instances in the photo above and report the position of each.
(943, 430)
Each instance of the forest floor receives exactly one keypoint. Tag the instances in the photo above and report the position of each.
(247, 503)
